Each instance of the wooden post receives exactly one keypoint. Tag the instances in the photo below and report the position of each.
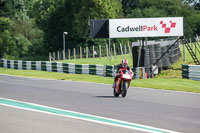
(100, 51)
(121, 49)
(58, 55)
(54, 55)
(114, 51)
(107, 49)
(195, 49)
(125, 51)
(74, 53)
(50, 56)
(129, 48)
(63, 55)
(93, 51)
(69, 54)
(81, 52)
(86, 51)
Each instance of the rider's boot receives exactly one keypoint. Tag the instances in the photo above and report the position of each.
(113, 86)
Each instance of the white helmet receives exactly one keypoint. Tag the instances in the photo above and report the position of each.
(124, 63)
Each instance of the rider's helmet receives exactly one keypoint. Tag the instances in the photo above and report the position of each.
(124, 63)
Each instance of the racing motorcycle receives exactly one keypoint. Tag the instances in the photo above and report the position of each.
(123, 82)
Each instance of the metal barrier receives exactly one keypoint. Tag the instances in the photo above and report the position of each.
(191, 72)
(101, 70)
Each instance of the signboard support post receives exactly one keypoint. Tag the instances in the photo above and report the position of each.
(184, 56)
(109, 47)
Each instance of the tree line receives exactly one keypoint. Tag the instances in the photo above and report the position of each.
(29, 29)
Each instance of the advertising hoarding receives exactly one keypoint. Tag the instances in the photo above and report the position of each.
(146, 27)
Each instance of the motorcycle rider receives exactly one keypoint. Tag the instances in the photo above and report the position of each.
(123, 64)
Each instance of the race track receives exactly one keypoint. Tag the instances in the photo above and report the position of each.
(170, 110)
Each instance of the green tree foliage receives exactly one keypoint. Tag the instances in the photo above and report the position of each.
(74, 17)
(6, 41)
(30, 28)
(18, 31)
(25, 35)
(194, 3)
(22, 44)
(7, 8)
(93, 9)
(165, 8)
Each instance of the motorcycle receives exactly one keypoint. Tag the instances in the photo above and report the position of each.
(123, 82)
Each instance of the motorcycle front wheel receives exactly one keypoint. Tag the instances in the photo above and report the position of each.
(124, 88)
(115, 93)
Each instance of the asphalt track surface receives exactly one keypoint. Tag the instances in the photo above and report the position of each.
(171, 110)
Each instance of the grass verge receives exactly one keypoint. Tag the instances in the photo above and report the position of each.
(101, 61)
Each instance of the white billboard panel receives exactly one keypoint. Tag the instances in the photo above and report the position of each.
(146, 27)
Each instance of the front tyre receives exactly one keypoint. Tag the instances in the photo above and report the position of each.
(115, 93)
(124, 88)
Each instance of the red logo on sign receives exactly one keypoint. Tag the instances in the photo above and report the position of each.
(167, 29)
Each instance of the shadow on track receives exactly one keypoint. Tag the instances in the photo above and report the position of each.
(105, 97)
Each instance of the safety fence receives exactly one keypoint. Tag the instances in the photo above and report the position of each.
(191, 72)
(91, 52)
(101, 70)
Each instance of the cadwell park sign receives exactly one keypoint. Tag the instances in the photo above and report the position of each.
(137, 27)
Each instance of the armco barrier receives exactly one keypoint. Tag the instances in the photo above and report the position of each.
(101, 70)
(191, 72)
